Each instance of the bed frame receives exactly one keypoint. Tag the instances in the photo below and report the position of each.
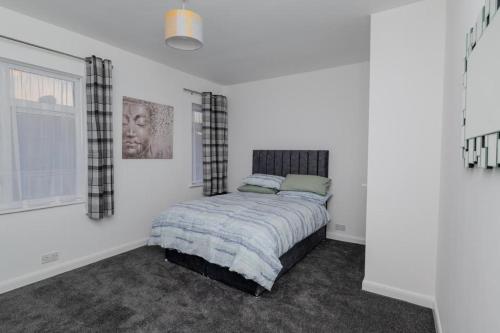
(272, 162)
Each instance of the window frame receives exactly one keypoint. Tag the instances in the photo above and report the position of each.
(195, 182)
(9, 103)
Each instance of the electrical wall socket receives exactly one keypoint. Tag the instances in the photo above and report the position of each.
(340, 227)
(50, 257)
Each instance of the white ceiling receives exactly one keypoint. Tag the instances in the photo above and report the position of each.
(245, 40)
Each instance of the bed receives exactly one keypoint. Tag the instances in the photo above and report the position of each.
(236, 223)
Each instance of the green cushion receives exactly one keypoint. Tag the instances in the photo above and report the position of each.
(257, 189)
(306, 183)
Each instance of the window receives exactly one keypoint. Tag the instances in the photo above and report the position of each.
(41, 146)
(197, 177)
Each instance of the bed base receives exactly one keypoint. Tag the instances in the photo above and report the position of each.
(235, 280)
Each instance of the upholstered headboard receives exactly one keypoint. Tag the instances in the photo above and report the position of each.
(284, 162)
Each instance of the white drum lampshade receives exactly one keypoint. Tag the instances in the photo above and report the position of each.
(183, 29)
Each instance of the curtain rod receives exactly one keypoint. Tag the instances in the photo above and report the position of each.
(42, 47)
(192, 91)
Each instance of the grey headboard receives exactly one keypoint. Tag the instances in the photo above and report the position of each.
(284, 162)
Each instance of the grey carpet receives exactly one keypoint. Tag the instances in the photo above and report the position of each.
(139, 292)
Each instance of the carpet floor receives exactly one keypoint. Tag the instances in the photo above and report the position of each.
(138, 292)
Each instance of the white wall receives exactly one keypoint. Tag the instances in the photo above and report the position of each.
(326, 109)
(468, 270)
(404, 152)
(143, 188)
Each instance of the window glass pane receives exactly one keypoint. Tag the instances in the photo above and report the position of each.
(197, 145)
(40, 138)
(47, 155)
(197, 116)
(39, 88)
(9, 180)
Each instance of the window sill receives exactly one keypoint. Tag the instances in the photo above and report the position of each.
(54, 205)
(196, 185)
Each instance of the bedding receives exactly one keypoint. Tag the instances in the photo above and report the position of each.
(246, 232)
(263, 180)
(257, 189)
(309, 196)
(306, 183)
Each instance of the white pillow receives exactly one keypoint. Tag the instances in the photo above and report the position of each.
(269, 181)
(308, 196)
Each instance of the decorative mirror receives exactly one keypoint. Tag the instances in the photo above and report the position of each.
(481, 102)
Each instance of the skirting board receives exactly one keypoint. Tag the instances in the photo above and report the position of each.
(401, 294)
(345, 238)
(30, 278)
(437, 318)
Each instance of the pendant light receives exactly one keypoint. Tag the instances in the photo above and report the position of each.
(183, 29)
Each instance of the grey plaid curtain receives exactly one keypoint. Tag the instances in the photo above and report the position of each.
(100, 138)
(214, 108)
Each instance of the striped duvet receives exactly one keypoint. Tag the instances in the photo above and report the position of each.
(246, 232)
